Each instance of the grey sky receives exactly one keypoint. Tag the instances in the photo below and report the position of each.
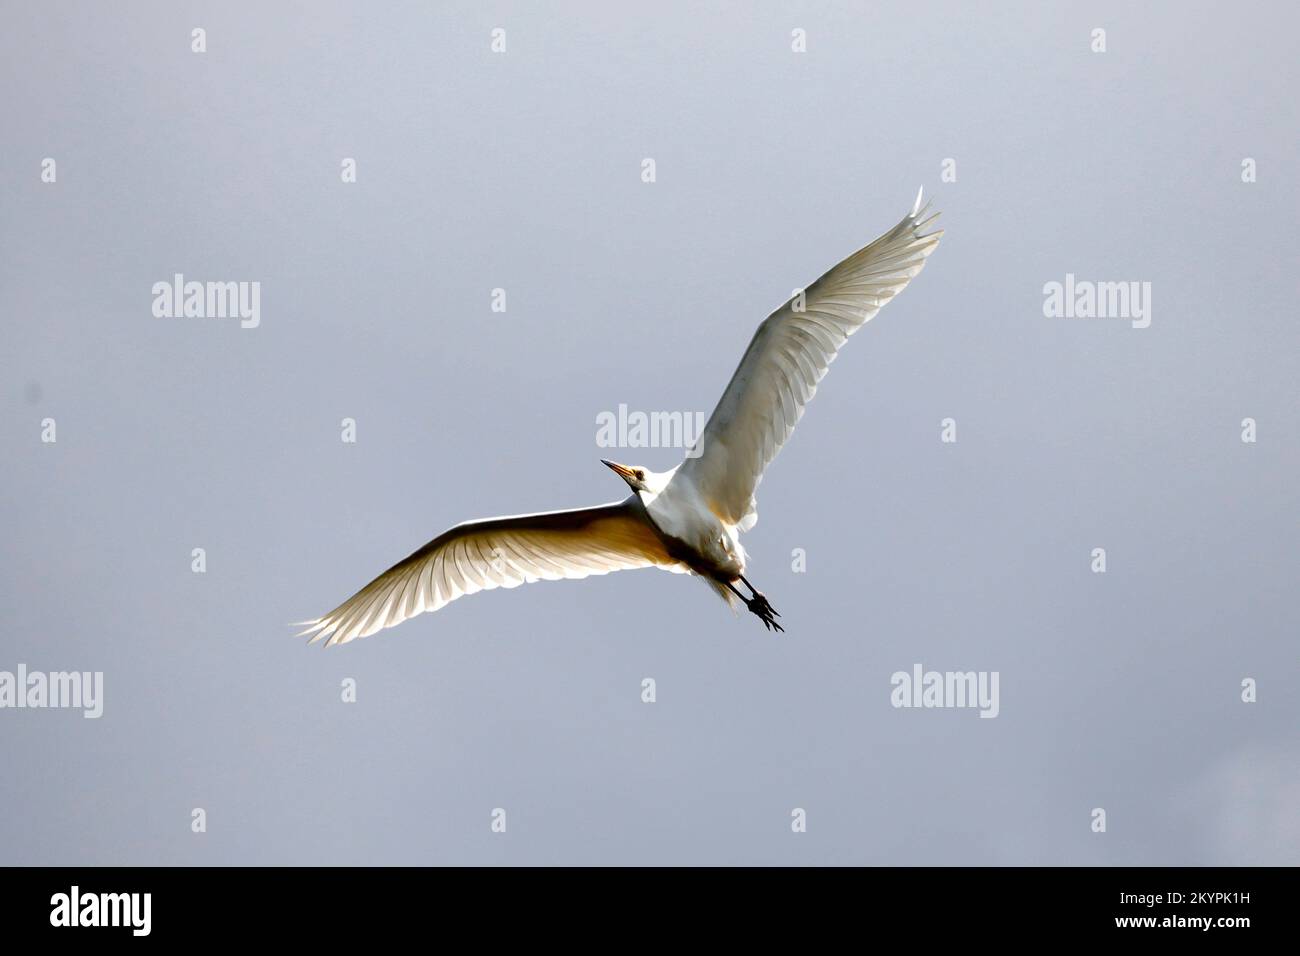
(522, 171)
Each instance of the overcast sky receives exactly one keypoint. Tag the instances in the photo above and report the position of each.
(523, 171)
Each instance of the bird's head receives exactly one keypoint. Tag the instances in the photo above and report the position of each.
(638, 478)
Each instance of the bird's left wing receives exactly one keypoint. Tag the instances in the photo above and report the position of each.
(791, 351)
(498, 553)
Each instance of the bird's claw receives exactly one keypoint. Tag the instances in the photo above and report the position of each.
(760, 607)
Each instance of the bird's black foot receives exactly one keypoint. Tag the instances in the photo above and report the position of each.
(760, 607)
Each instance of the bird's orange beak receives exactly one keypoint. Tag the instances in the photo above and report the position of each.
(623, 471)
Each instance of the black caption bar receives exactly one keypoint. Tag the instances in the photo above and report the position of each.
(335, 906)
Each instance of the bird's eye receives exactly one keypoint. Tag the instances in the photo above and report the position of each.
(640, 475)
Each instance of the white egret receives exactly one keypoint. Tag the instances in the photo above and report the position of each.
(689, 519)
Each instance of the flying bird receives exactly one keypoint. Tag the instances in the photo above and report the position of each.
(687, 520)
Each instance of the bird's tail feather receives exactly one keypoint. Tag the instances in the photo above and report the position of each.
(724, 592)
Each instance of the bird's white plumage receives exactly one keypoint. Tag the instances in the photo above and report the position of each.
(787, 357)
(498, 552)
(698, 510)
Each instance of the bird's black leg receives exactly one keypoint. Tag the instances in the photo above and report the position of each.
(759, 596)
(758, 605)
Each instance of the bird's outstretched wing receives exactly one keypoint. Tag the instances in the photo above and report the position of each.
(498, 553)
(787, 357)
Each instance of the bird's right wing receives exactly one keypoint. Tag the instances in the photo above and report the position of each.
(791, 351)
(498, 553)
